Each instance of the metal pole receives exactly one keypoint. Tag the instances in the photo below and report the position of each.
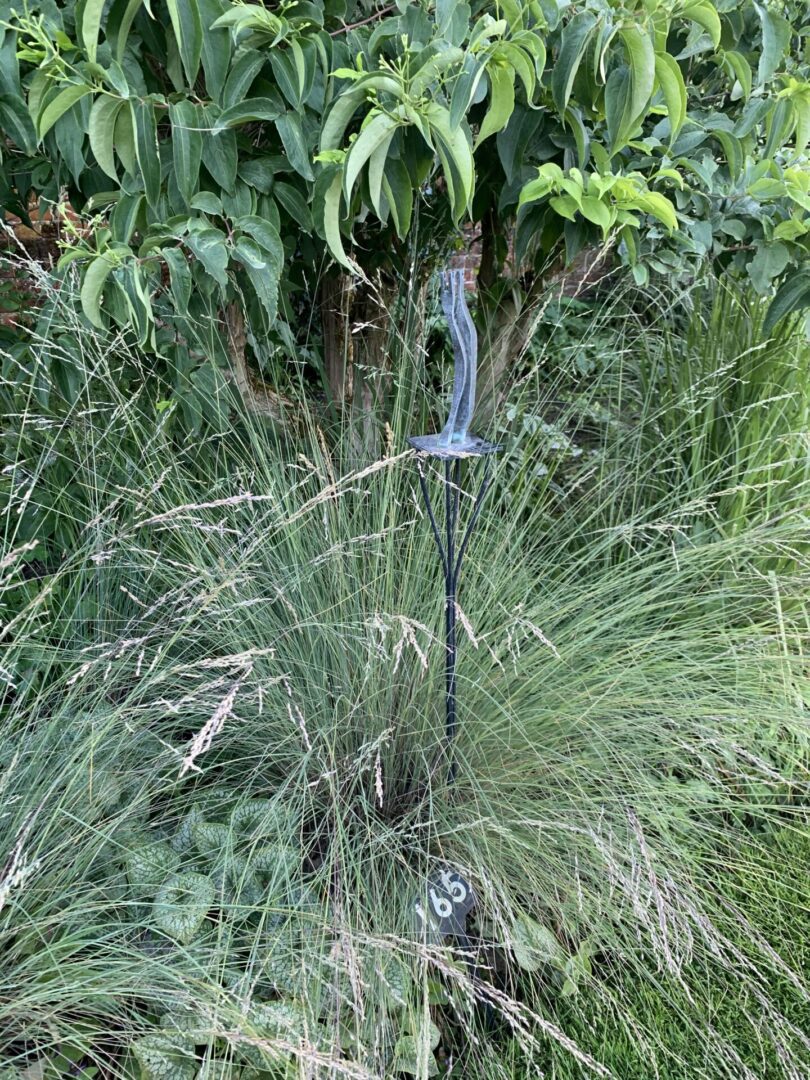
(452, 557)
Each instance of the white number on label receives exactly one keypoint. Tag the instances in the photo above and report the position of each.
(441, 905)
(420, 911)
(454, 887)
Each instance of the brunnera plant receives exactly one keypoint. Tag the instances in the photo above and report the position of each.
(234, 152)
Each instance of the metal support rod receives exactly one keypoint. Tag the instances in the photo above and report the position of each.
(452, 558)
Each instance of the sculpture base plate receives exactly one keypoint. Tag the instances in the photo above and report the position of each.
(472, 446)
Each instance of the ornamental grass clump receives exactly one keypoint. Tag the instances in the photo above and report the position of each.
(224, 789)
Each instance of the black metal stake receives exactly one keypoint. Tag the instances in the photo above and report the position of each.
(451, 561)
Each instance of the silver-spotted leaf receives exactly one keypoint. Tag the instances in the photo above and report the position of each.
(148, 866)
(165, 1057)
(182, 904)
(534, 945)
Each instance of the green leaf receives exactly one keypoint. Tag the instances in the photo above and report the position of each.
(187, 26)
(641, 57)
(331, 221)
(216, 49)
(241, 77)
(91, 26)
(59, 105)
(125, 141)
(464, 88)
(294, 203)
(345, 105)
(658, 206)
(398, 190)
(574, 42)
(705, 15)
(534, 945)
(617, 97)
(165, 1057)
(501, 101)
(95, 277)
(101, 129)
(146, 148)
(776, 31)
(248, 112)
(414, 1053)
(377, 130)
(187, 145)
(209, 246)
(801, 108)
(180, 281)
(768, 262)
(148, 866)
(455, 155)
(597, 212)
(124, 218)
(670, 79)
(792, 295)
(266, 236)
(292, 137)
(742, 71)
(16, 121)
(181, 905)
(220, 154)
(261, 273)
(118, 29)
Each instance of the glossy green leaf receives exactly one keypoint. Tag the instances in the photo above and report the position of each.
(456, 157)
(575, 38)
(209, 246)
(91, 26)
(125, 217)
(101, 130)
(776, 32)
(119, 25)
(261, 273)
(347, 103)
(217, 48)
(793, 295)
(179, 277)
(59, 105)
(220, 155)
(187, 144)
(501, 101)
(376, 132)
(267, 237)
(93, 282)
(16, 121)
(250, 111)
(397, 188)
(294, 203)
(673, 88)
(331, 221)
(641, 58)
(742, 71)
(146, 148)
(291, 131)
(705, 15)
(188, 33)
(768, 263)
(125, 140)
(241, 77)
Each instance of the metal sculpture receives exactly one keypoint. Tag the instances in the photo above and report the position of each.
(452, 446)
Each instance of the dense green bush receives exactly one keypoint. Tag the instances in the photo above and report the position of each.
(233, 152)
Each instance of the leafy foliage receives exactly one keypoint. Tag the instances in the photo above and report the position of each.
(230, 150)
